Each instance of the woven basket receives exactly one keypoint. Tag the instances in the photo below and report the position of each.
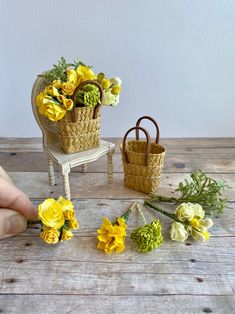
(79, 130)
(142, 160)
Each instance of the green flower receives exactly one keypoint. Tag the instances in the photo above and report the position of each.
(89, 96)
(148, 237)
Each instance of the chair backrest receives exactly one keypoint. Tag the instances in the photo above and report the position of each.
(48, 127)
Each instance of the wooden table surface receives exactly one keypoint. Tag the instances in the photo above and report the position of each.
(74, 277)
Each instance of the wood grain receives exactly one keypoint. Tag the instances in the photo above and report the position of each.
(75, 277)
(94, 185)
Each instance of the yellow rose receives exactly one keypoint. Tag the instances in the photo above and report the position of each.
(73, 224)
(50, 235)
(61, 98)
(68, 104)
(178, 232)
(53, 111)
(66, 235)
(116, 90)
(68, 214)
(85, 73)
(52, 90)
(68, 88)
(65, 204)
(57, 84)
(72, 76)
(50, 212)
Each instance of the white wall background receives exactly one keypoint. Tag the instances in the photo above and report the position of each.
(176, 59)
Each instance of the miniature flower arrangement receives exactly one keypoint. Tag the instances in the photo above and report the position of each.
(72, 95)
(58, 219)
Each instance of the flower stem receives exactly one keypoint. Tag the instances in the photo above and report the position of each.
(161, 198)
(125, 216)
(158, 209)
(141, 214)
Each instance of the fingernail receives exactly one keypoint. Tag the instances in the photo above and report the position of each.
(14, 224)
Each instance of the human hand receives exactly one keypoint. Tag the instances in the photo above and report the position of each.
(15, 208)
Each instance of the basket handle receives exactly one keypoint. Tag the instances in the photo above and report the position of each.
(78, 88)
(154, 122)
(148, 143)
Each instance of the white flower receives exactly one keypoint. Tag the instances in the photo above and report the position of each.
(178, 232)
(185, 212)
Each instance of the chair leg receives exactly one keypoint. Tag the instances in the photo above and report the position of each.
(65, 169)
(51, 173)
(110, 167)
(84, 168)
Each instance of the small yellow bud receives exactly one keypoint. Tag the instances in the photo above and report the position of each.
(105, 84)
(100, 77)
(116, 90)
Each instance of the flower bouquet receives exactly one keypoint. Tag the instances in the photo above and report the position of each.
(72, 97)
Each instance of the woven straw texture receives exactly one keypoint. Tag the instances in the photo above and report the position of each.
(80, 135)
(79, 130)
(142, 160)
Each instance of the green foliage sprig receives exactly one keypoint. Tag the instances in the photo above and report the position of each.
(58, 72)
(202, 190)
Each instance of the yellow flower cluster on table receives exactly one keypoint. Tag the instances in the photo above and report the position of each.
(112, 236)
(190, 221)
(56, 99)
(58, 219)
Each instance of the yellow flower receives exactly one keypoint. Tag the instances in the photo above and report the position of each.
(68, 88)
(72, 76)
(57, 84)
(52, 90)
(42, 98)
(50, 212)
(105, 84)
(68, 104)
(85, 73)
(50, 235)
(100, 77)
(67, 207)
(116, 90)
(112, 236)
(200, 236)
(61, 98)
(66, 235)
(53, 111)
(178, 232)
(73, 224)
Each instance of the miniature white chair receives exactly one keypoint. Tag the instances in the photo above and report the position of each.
(51, 147)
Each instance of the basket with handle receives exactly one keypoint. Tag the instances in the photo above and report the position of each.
(80, 129)
(142, 159)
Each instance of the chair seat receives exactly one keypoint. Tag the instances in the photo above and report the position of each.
(58, 156)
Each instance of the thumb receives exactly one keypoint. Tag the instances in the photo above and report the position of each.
(11, 223)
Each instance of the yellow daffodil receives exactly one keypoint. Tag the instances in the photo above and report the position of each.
(85, 73)
(112, 236)
(50, 235)
(50, 212)
(66, 234)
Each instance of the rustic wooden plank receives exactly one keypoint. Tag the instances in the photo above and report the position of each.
(216, 256)
(94, 185)
(51, 304)
(89, 278)
(35, 144)
(220, 161)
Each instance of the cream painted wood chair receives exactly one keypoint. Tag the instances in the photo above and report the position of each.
(51, 147)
